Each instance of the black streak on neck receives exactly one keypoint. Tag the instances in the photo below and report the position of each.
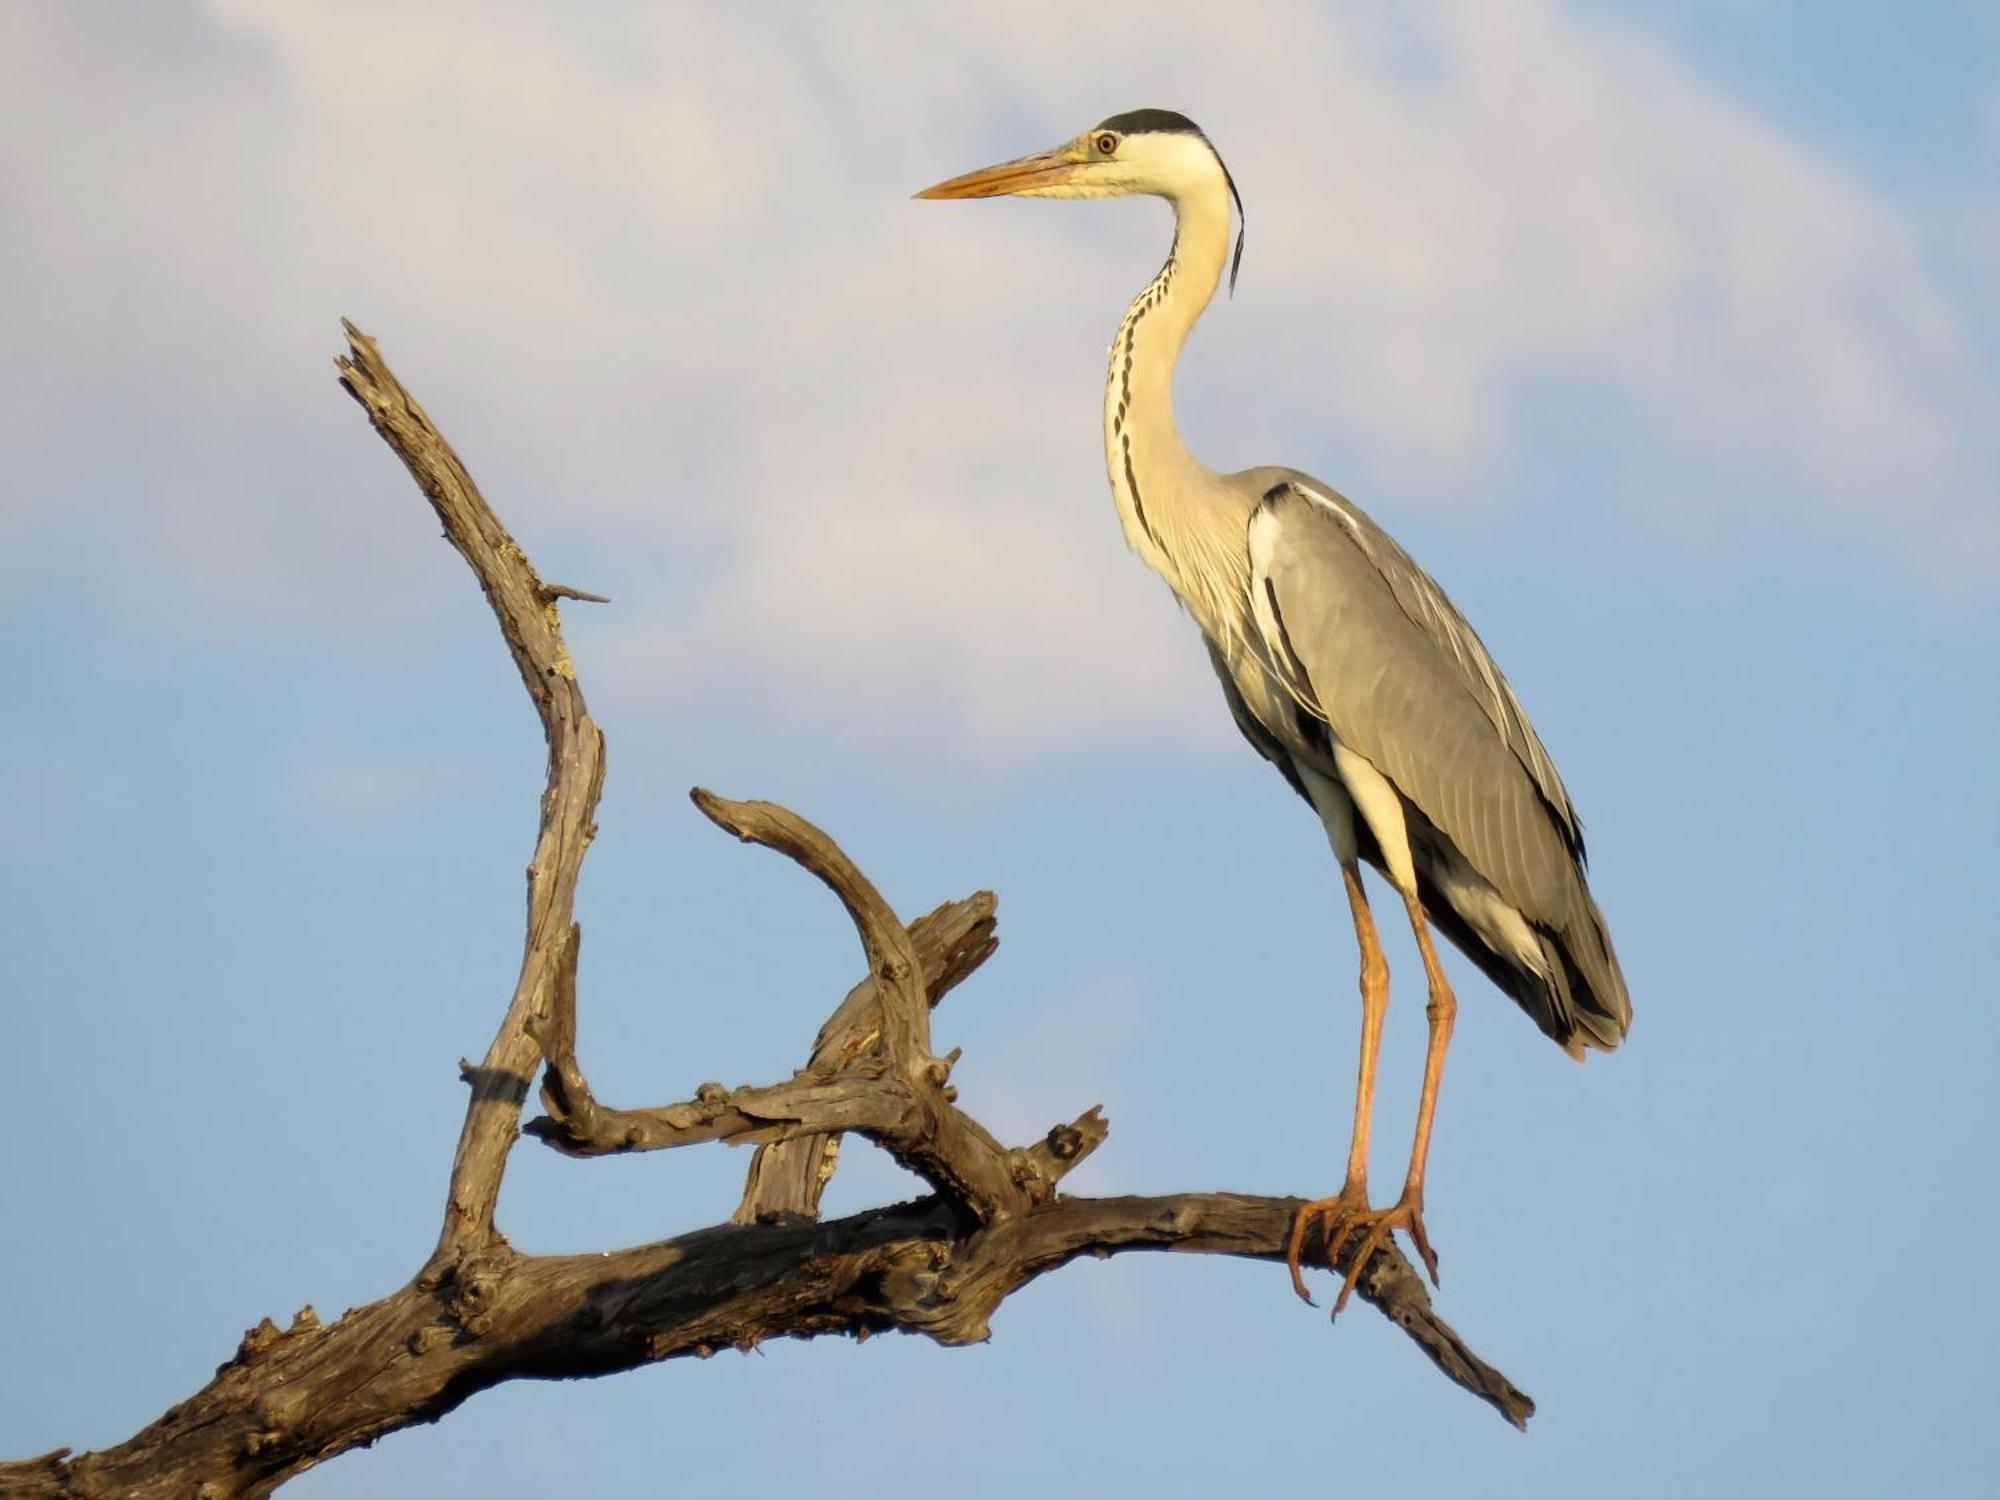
(1149, 299)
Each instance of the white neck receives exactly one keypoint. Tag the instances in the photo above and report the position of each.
(1165, 495)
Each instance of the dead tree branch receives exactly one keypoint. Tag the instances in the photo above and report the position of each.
(788, 1177)
(478, 1312)
(525, 607)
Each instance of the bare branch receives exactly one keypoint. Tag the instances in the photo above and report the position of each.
(292, 1398)
(1064, 1148)
(564, 591)
(896, 1094)
(526, 611)
(788, 1177)
(892, 957)
(864, 1097)
(1221, 1224)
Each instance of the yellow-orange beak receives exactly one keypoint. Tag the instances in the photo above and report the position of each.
(1024, 174)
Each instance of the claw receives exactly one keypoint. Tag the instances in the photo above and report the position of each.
(1363, 1253)
(1340, 1236)
(1342, 1210)
(1294, 1248)
(1423, 1243)
(1407, 1214)
(1345, 1216)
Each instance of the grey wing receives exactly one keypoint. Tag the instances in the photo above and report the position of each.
(1368, 642)
(1438, 618)
(1254, 729)
(1431, 611)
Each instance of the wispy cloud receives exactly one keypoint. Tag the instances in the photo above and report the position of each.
(656, 270)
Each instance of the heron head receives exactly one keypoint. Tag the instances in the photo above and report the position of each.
(1152, 151)
(1142, 151)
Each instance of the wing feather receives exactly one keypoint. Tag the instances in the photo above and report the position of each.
(1430, 610)
(1369, 642)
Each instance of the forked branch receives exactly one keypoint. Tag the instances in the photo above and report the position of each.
(478, 1312)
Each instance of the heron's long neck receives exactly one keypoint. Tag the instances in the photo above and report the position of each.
(1166, 498)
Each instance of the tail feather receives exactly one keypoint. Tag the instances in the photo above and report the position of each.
(1600, 1004)
(1580, 1002)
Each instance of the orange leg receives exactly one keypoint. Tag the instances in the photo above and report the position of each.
(1375, 1226)
(1442, 1013)
(1353, 1196)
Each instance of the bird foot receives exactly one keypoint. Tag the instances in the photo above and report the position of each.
(1347, 1214)
(1326, 1215)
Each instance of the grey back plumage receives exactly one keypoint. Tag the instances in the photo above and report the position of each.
(1367, 642)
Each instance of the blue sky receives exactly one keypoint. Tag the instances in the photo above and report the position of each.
(1667, 336)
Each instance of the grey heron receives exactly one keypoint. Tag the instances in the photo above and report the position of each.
(1347, 668)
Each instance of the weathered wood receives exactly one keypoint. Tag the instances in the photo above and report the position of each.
(788, 1177)
(290, 1399)
(525, 608)
(478, 1312)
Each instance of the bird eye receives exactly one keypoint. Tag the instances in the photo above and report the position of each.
(1106, 144)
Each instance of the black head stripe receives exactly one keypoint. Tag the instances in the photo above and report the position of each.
(1151, 122)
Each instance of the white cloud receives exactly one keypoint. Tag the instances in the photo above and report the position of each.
(655, 270)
